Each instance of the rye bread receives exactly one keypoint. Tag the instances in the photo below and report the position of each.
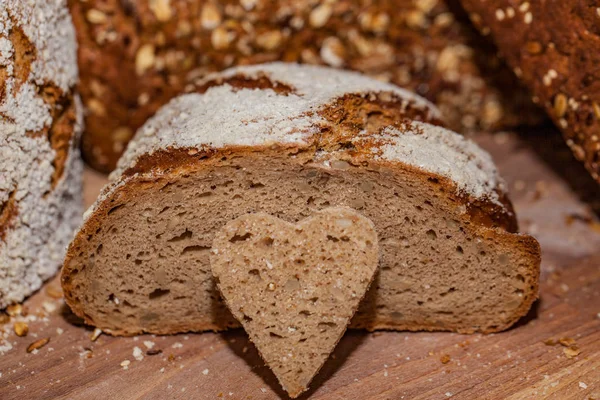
(290, 140)
(295, 287)
(40, 125)
(554, 48)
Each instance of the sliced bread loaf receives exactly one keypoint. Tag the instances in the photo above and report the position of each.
(40, 124)
(289, 140)
(294, 287)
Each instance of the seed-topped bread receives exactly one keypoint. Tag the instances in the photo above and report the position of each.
(40, 123)
(554, 48)
(290, 140)
(136, 55)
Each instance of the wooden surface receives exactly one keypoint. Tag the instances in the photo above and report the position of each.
(553, 203)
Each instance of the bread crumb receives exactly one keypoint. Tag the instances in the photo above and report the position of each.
(125, 364)
(49, 307)
(445, 359)
(38, 344)
(149, 344)
(59, 331)
(263, 390)
(177, 345)
(96, 334)
(582, 385)
(572, 351)
(448, 394)
(14, 310)
(205, 372)
(566, 341)
(21, 328)
(138, 354)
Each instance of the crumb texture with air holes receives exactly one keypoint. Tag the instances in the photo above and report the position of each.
(450, 255)
(40, 123)
(295, 287)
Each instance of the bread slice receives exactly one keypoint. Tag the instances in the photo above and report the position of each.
(40, 124)
(294, 288)
(289, 140)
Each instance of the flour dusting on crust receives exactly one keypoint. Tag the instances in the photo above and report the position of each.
(442, 152)
(224, 115)
(228, 116)
(45, 212)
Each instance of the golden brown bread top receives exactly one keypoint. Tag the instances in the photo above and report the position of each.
(329, 116)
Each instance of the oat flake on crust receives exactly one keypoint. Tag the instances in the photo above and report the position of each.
(45, 217)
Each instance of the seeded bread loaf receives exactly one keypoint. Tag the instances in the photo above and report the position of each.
(40, 121)
(554, 47)
(136, 55)
(290, 140)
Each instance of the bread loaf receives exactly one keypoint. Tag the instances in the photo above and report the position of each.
(554, 47)
(40, 124)
(136, 55)
(290, 140)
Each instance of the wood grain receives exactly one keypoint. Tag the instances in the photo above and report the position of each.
(516, 364)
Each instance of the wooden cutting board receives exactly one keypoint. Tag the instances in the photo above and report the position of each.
(554, 202)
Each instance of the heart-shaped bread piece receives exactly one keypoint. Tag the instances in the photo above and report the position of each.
(295, 287)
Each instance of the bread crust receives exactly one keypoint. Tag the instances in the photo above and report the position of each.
(138, 56)
(40, 127)
(553, 49)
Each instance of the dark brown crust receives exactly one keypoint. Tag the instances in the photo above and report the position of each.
(8, 212)
(24, 54)
(563, 37)
(60, 133)
(422, 49)
(245, 82)
(166, 166)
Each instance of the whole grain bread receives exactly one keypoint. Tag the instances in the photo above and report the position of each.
(295, 287)
(554, 48)
(40, 124)
(136, 55)
(290, 140)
